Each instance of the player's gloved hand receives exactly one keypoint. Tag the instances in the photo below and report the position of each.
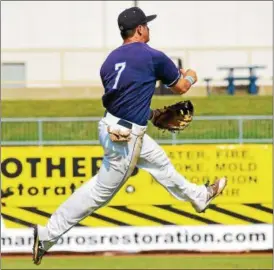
(173, 118)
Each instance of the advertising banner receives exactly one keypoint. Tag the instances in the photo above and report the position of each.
(220, 238)
(46, 176)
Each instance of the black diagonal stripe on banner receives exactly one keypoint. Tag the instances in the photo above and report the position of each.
(186, 214)
(108, 219)
(142, 215)
(36, 211)
(43, 213)
(17, 220)
(233, 214)
(259, 207)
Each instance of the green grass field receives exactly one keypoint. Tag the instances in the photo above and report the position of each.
(145, 262)
(215, 105)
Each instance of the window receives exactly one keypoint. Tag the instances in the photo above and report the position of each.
(13, 75)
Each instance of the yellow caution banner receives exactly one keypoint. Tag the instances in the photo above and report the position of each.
(46, 176)
(148, 215)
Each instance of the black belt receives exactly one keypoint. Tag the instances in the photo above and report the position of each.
(125, 124)
(122, 122)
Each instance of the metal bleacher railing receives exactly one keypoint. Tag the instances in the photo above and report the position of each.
(83, 131)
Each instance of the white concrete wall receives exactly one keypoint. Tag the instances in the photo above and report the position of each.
(93, 24)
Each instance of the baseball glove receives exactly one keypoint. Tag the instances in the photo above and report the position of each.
(173, 118)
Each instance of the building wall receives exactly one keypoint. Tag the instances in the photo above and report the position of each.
(93, 24)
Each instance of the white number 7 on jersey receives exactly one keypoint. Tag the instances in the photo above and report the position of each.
(120, 67)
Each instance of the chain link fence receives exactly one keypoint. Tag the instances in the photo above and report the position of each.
(83, 130)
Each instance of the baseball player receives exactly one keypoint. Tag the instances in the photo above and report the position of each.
(129, 75)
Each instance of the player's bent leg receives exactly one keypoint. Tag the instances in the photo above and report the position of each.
(118, 164)
(83, 202)
(154, 160)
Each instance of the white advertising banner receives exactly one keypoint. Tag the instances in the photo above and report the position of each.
(221, 238)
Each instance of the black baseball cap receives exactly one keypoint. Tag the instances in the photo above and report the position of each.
(132, 17)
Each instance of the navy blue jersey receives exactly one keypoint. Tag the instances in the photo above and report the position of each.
(129, 75)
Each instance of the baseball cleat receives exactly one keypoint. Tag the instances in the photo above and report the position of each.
(38, 251)
(213, 191)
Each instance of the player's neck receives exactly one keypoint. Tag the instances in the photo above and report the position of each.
(132, 40)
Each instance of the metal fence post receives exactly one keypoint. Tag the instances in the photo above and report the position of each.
(40, 132)
(174, 138)
(240, 126)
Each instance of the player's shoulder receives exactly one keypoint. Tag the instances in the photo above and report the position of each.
(156, 55)
(111, 57)
(152, 50)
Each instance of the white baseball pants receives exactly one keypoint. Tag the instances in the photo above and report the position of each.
(118, 164)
